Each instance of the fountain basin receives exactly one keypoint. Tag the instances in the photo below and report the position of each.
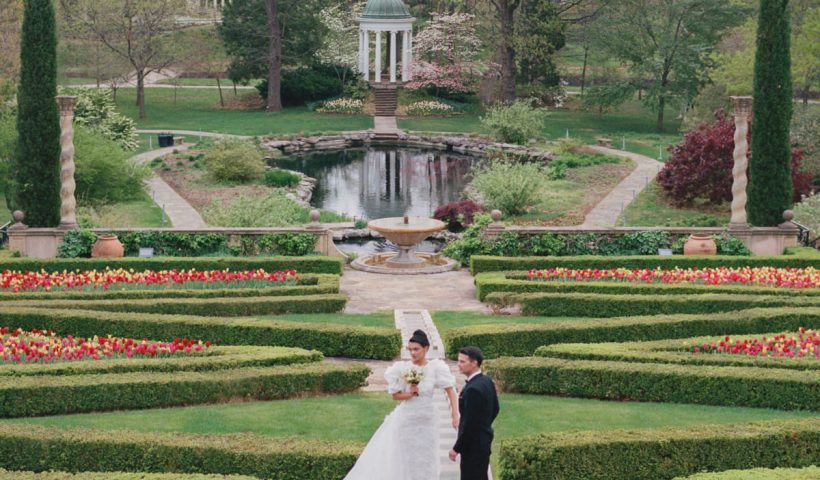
(406, 233)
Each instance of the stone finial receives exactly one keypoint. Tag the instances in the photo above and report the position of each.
(314, 220)
(496, 226)
(788, 216)
(18, 217)
(496, 215)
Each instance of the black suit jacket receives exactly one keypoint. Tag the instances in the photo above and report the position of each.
(478, 406)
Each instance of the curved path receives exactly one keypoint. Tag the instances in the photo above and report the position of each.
(180, 213)
(607, 211)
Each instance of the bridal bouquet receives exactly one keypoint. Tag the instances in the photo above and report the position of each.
(413, 376)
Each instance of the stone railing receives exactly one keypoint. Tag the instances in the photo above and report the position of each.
(760, 240)
(43, 242)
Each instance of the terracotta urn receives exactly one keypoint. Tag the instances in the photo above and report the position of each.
(700, 245)
(107, 246)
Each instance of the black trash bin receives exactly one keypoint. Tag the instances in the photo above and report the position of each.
(165, 140)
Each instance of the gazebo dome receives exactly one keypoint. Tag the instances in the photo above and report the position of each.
(386, 9)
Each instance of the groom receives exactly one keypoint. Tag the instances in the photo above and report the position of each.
(478, 406)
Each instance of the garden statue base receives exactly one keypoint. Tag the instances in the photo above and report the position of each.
(390, 263)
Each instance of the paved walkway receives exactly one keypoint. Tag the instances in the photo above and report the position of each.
(197, 133)
(386, 125)
(373, 292)
(606, 213)
(180, 213)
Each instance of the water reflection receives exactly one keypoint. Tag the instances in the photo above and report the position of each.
(383, 181)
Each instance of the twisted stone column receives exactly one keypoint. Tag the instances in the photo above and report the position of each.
(68, 204)
(743, 107)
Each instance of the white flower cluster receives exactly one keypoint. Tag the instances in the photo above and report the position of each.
(342, 105)
(428, 108)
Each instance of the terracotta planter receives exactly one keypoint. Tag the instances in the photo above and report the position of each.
(700, 245)
(107, 246)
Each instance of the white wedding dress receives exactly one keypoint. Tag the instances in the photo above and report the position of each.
(406, 446)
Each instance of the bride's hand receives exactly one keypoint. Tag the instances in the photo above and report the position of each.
(414, 389)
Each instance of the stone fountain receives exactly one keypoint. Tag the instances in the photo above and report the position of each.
(406, 232)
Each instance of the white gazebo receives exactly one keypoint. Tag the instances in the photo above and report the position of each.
(386, 20)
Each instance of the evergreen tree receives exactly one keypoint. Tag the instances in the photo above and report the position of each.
(37, 163)
(770, 187)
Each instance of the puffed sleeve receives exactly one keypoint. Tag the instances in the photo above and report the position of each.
(393, 375)
(444, 378)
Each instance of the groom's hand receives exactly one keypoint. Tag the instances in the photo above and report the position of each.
(453, 454)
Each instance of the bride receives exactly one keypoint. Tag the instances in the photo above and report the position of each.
(406, 447)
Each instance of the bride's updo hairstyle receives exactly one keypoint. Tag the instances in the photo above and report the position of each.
(421, 338)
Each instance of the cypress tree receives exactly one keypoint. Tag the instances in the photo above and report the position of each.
(37, 165)
(770, 185)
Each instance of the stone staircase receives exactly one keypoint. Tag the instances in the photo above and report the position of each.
(387, 96)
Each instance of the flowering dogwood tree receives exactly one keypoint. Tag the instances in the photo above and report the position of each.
(340, 46)
(446, 54)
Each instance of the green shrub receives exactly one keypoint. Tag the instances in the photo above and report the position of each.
(207, 307)
(104, 172)
(11, 475)
(96, 110)
(234, 161)
(76, 244)
(310, 284)
(288, 244)
(272, 210)
(759, 474)
(173, 244)
(517, 282)
(601, 305)
(513, 187)
(59, 395)
(28, 447)
(677, 351)
(660, 454)
(281, 178)
(216, 358)
(516, 123)
(650, 382)
(309, 83)
(333, 340)
(483, 263)
(523, 339)
(314, 264)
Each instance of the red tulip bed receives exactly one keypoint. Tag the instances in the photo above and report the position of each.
(753, 276)
(93, 280)
(806, 344)
(43, 346)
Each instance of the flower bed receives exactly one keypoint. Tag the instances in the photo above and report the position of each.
(805, 344)
(342, 105)
(43, 346)
(754, 276)
(121, 279)
(426, 108)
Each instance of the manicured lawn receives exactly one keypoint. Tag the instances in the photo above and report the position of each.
(198, 109)
(382, 319)
(651, 208)
(445, 320)
(142, 212)
(202, 82)
(148, 142)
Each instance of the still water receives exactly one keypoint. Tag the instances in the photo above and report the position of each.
(379, 182)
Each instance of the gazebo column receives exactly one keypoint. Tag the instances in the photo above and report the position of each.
(378, 71)
(409, 65)
(392, 56)
(405, 62)
(366, 56)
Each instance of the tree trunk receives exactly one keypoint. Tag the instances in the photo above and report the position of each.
(661, 106)
(274, 57)
(507, 50)
(141, 92)
(219, 87)
(584, 70)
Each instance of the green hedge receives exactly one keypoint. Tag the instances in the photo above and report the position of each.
(312, 284)
(660, 454)
(649, 382)
(330, 339)
(10, 475)
(57, 395)
(523, 339)
(807, 473)
(516, 282)
(312, 264)
(208, 307)
(28, 447)
(483, 263)
(216, 358)
(678, 351)
(599, 305)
